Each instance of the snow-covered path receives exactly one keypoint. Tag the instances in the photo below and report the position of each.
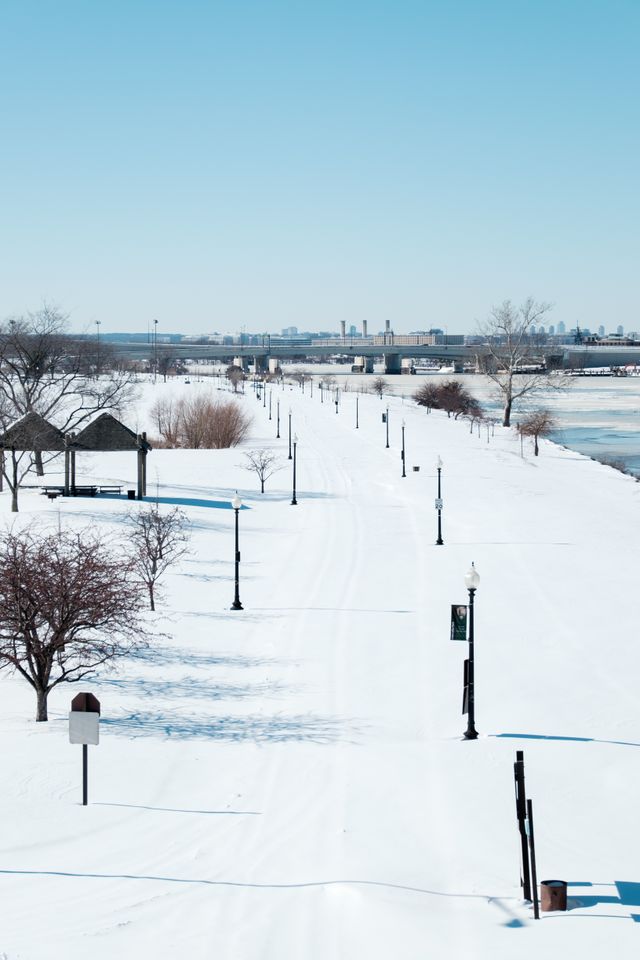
(290, 780)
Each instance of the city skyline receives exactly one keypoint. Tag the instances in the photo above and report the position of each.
(256, 167)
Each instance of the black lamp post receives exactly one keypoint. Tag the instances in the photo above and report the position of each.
(471, 582)
(439, 541)
(321, 385)
(264, 394)
(311, 387)
(98, 322)
(236, 503)
(289, 457)
(403, 454)
(387, 422)
(294, 502)
(278, 419)
(357, 423)
(155, 350)
(337, 398)
(270, 392)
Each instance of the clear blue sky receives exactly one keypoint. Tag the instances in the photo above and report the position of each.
(255, 164)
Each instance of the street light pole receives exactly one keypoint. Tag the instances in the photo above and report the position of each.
(270, 392)
(404, 472)
(439, 541)
(236, 503)
(294, 502)
(472, 581)
(289, 457)
(98, 322)
(278, 418)
(155, 350)
(357, 421)
(387, 421)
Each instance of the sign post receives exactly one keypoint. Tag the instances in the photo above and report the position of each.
(84, 721)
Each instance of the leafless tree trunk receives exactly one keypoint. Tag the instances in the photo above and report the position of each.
(159, 540)
(264, 463)
(513, 361)
(68, 604)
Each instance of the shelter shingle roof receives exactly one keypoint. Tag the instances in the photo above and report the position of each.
(106, 433)
(33, 432)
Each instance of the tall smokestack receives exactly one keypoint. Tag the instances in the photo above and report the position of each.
(387, 326)
(343, 328)
(364, 328)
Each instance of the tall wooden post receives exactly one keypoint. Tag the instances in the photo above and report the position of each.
(66, 465)
(144, 465)
(140, 456)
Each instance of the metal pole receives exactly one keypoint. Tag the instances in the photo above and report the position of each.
(471, 733)
(357, 424)
(269, 404)
(521, 813)
(85, 774)
(294, 502)
(532, 852)
(289, 457)
(404, 472)
(278, 418)
(387, 419)
(236, 605)
(439, 541)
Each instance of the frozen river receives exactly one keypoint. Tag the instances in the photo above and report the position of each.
(597, 416)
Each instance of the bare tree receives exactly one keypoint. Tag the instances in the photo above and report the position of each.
(538, 423)
(235, 376)
(158, 540)
(68, 604)
(200, 422)
(513, 361)
(264, 463)
(379, 386)
(46, 371)
(450, 395)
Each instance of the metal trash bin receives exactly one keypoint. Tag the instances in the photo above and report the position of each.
(131, 494)
(553, 895)
(416, 469)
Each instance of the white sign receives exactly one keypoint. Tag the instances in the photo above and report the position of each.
(83, 727)
(438, 503)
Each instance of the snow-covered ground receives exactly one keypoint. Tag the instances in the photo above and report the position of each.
(289, 781)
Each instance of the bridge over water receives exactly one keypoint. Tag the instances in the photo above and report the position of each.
(391, 353)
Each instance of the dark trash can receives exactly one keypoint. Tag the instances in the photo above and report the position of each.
(553, 895)
(416, 469)
(131, 494)
(384, 418)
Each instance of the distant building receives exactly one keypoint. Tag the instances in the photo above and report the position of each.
(561, 327)
(290, 332)
(552, 330)
(601, 331)
(620, 330)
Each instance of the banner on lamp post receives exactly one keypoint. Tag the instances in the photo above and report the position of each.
(459, 617)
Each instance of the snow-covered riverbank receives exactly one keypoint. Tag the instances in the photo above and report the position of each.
(289, 781)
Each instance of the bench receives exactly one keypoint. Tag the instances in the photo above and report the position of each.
(111, 490)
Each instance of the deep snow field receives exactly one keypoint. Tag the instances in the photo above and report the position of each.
(290, 782)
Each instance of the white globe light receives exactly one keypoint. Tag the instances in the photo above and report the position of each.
(472, 578)
(236, 503)
(439, 463)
